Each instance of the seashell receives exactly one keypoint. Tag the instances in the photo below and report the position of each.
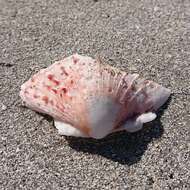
(88, 98)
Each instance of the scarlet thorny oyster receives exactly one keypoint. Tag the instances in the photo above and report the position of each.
(90, 99)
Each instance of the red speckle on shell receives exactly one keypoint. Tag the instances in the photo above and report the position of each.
(56, 82)
(50, 76)
(63, 71)
(48, 87)
(75, 60)
(45, 99)
(35, 96)
(51, 102)
(54, 90)
(110, 89)
(64, 90)
(32, 80)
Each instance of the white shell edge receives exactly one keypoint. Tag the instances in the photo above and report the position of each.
(67, 129)
(137, 124)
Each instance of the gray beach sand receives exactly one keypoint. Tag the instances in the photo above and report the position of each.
(148, 37)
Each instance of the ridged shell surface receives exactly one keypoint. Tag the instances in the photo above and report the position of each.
(91, 99)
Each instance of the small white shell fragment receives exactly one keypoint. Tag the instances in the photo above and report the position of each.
(3, 107)
(68, 130)
(146, 117)
(87, 98)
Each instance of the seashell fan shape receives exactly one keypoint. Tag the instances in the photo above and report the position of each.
(87, 98)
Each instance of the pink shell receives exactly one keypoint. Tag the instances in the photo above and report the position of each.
(90, 99)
